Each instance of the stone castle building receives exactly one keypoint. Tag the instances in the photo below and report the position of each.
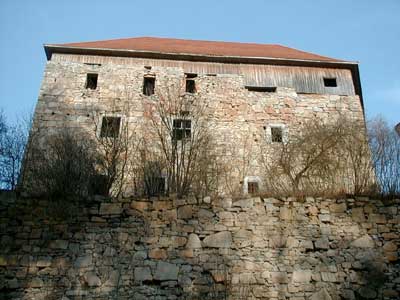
(190, 248)
(256, 95)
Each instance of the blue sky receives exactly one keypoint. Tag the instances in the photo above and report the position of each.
(357, 30)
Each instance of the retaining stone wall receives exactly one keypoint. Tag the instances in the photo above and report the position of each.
(170, 248)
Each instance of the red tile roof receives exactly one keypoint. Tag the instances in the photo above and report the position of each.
(208, 48)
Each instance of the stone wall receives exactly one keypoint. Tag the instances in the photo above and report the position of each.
(167, 248)
(239, 118)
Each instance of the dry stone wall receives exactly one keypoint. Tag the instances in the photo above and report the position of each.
(168, 248)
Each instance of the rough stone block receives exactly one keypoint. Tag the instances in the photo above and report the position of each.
(367, 292)
(140, 205)
(363, 242)
(247, 278)
(377, 218)
(110, 209)
(324, 218)
(205, 214)
(193, 242)
(218, 240)
(277, 241)
(322, 243)
(390, 246)
(243, 234)
(92, 279)
(44, 261)
(142, 274)
(161, 204)
(301, 276)
(321, 295)
(279, 277)
(185, 212)
(285, 213)
(338, 208)
(59, 244)
(36, 283)
(158, 254)
(207, 199)
(83, 261)
(166, 271)
(245, 203)
(329, 277)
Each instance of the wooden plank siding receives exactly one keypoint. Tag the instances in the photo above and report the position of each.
(302, 79)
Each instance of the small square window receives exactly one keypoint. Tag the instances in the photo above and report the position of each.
(276, 134)
(91, 81)
(149, 85)
(181, 129)
(110, 127)
(252, 187)
(330, 82)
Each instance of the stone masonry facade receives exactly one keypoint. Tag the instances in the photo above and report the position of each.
(240, 119)
(167, 248)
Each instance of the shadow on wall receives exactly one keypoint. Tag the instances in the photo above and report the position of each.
(116, 250)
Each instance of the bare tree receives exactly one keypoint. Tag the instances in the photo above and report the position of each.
(13, 139)
(385, 149)
(180, 136)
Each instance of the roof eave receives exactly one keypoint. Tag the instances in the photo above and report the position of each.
(49, 49)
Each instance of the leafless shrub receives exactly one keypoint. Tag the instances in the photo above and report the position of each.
(180, 138)
(385, 151)
(116, 145)
(61, 167)
(321, 159)
(304, 162)
(355, 172)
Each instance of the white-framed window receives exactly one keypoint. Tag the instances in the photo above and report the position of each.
(276, 133)
(251, 185)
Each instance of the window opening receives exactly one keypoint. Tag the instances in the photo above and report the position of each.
(181, 129)
(190, 83)
(276, 134)
(262, 89)
(91, 81)
(110, 126)
(148, 85)
(330, 82)
(252, 187)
